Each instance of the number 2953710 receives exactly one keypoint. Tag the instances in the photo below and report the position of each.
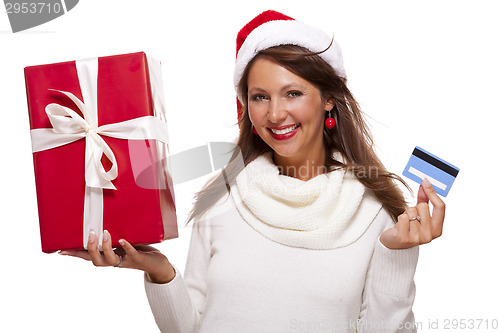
(33, 8)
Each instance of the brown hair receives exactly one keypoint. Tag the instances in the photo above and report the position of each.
(351, 136)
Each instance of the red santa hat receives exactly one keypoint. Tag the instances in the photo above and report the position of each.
(272, 28)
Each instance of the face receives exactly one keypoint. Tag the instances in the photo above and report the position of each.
(286, 110)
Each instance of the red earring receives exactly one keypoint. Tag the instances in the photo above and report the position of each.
(330, 122)
(254, 130)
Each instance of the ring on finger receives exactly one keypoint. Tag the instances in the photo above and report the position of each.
(120, 263)
(418, 218)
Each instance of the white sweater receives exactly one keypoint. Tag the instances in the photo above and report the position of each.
(238, 279)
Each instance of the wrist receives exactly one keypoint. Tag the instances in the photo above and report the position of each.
(162, 276)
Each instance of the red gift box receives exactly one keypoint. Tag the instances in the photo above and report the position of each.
(112, 104)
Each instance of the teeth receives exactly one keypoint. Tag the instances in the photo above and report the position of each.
(284, 131)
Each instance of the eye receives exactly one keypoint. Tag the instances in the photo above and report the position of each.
(294, 93)
(258, 97)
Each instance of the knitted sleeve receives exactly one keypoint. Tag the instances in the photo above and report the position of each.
(178, 306)
(389, 291)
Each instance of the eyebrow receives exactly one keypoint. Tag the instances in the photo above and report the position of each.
(285, 87)
(256, 89)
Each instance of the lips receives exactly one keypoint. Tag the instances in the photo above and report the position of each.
(283, 136)
(283, 129)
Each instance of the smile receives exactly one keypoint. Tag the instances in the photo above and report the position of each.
(284, 133)
(285, 130)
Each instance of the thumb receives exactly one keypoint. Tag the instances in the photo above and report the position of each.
(421, 196)
(130, 251)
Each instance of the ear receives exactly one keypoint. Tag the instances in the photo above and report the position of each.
(329, 104)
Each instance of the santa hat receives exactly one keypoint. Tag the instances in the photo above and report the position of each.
(272, 28)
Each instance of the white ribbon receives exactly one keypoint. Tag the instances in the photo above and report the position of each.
(69, 126)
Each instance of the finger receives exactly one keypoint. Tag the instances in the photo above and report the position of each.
(412, 213)
(94, 253)
(76, 253)
(389, 238)
(132, 254)
(403, 226)
(421, 196)
(109, 254)
(414, 235)
(438, 211)
(425, 222)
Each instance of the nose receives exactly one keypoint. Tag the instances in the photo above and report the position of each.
(276, 112)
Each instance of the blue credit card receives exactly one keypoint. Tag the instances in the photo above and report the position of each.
(440, 173)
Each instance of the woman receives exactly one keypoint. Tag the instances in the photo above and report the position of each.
(314, 234)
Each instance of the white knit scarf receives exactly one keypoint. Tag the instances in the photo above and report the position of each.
(328, 211)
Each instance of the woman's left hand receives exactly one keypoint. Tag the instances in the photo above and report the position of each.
(408, 231)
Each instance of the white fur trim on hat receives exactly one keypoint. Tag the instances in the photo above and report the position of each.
(274, 33)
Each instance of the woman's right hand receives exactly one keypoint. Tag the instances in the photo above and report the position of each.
(145, 258)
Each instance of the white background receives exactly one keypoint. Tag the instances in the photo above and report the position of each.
(426, 73)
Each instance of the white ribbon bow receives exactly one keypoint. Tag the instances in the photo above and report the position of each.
(68, 126)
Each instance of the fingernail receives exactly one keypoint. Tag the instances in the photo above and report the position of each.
(63, 252)
(92, 237)
(105, 235)
(122, 242)
(426, 182)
